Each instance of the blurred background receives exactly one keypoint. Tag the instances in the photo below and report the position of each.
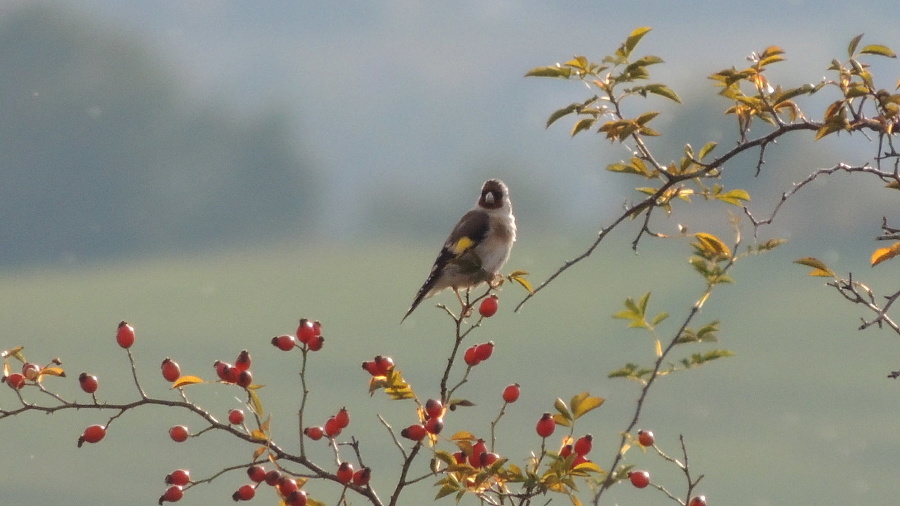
(212, 171)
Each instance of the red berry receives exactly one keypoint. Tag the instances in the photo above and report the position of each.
(434, 408)
(583, 445)
(315, 343)
(15, 381)
(484, 351)
(385, 365)
(639, 479)
(92, 434)
(315, 433)
(488, 458)
(546, 425)
(244, 379)
(235, 417)
(565, 451)
(245, 493)
(297, 498)
(415, 432)
(645, 437)
(125, 335)
(179, 477)
(477, 449)
(370, 367)
(178, 433)
(256, 473)
(88, 382)
(511, 393)
(226, 371)
(287, 485)
(171, 371)
(361, 477)
(242, 363)
(332, 427)
(489, 306)
(699, 500)
(31, 371)
(306, 331)
(460, 457)
(345, 473)
(284, 342)
(434, 425)
(471, 357)
(342, 418)
(172, 494)
(273, 477)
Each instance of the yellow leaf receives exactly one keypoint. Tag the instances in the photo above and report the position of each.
(584, 403)
(186, 380)
(818, 267)
(882, 254)
(658, 348)
(255, 402)
(588, 466)
(712, 244)
(14, 352)
(463, 436)
(259, 435)
(53, 371)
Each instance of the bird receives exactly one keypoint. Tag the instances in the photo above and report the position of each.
(477, 248)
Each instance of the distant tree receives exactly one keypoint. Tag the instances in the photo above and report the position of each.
(558, 462)
(104, 155)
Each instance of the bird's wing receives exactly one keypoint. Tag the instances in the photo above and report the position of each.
(472, 228)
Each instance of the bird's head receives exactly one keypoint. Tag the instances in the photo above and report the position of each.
(494, 195)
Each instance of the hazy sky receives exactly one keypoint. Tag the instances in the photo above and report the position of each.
(394, 92)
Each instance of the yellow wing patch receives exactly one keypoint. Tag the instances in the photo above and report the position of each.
(462, 245)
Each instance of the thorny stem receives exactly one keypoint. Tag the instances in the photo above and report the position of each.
(645, 389)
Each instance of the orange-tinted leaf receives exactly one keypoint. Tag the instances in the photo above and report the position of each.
(186, 380)
(882, 254)
(259, 451)
(53, 371)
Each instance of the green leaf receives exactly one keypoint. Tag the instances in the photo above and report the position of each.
(734, 197)
(563, 410)
(633, 39)
(851, 50)
(659, 318)
(707, 149)
(878, 49)
(645, 118)
(663, 91)
(559, 113)
(582, 124)
(550, 71)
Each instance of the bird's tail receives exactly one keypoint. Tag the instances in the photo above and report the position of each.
(422, 294)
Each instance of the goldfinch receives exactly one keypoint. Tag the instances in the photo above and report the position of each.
(477, 248)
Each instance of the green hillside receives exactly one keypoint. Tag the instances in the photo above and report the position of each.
(802, 415)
